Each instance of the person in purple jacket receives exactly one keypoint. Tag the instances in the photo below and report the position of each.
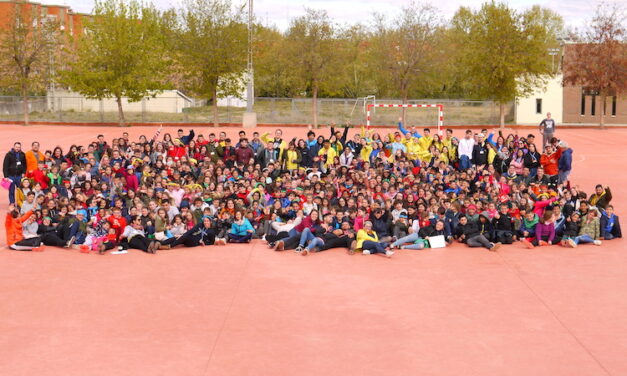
(545, 232)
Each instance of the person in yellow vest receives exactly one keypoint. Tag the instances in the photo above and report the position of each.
(368, 242)
(328, 155)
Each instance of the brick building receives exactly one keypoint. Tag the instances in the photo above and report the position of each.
(570, 104)
(70, 21)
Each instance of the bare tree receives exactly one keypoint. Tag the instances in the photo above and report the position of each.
(404, 50)
(598, 59)
(26, 47)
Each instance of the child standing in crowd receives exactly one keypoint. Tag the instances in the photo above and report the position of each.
(374, 191)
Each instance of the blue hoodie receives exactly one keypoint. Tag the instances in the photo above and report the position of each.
(566, 160)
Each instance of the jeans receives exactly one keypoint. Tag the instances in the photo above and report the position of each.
(563, 176)
(373, 247)
(464, 162)
(15, 183)
(305, 236)
(546, 138)
(315, 242)
(411, 238)
(479, 241)
(234, 238)
(583, 239)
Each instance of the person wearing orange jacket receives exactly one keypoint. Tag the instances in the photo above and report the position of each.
(549, 161)
(15, 226)
(33, 157)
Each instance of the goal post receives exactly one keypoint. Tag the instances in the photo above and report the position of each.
(440, 108)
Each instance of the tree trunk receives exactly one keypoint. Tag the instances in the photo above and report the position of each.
(214, 99)
(602, 123)
(25, 107)
(404, 111)
(314, 106)
(502, 115)
(121, 120)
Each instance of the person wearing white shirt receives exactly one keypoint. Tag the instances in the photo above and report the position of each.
(464, 150)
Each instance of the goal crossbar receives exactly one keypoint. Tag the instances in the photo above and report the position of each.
(438, 106)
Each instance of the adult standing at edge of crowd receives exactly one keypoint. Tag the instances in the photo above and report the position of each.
(547, 128)
(33, 157)
(13, 168)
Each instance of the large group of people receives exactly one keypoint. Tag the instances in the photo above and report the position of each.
(371, 193)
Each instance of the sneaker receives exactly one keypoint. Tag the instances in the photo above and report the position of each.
(389, 254)
(543, 243)
(366, 252)
(527, 244)
(597, 242)
(263, 238)
(304, 252)
(70, 242)
(299, 249)
(271, 245)
(495, 247)
(41, 248)
(571, 243)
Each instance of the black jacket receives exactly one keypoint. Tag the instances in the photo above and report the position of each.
(480, 154)
(504, 223)
(470, 229)
(14, 164)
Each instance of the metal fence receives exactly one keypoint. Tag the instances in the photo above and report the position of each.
(269, 110)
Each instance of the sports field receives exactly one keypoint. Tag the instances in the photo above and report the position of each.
(245, 310)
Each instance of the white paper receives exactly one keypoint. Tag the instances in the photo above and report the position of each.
(437, 241)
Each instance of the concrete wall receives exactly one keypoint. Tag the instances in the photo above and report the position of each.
(552, 101)
(170, 101)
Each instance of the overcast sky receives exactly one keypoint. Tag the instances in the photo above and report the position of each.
(279, 12)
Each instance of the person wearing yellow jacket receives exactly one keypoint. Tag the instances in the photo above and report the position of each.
(278, 141)
(368, 242)
(329, 153)
(426, 139)
(366, 149)
(292, 158)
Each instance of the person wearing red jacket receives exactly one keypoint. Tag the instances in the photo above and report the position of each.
(244, 153)
(39, 175)
(118, 223)
(132, 184)
(177, 150)
(550, 161)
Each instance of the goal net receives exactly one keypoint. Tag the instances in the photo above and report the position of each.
(371, 108)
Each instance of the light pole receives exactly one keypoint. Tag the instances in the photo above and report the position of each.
(250, 117)
(553, 52)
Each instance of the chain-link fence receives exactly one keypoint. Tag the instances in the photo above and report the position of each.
(269, 111)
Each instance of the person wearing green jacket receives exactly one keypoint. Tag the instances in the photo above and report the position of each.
(589, 231)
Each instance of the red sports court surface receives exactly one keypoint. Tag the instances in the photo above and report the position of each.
(249, 311)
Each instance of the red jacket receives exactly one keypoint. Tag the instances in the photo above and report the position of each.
(177, 152)
(39, 177)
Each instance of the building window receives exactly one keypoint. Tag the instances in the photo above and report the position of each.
(593, 105)
(538, 105)
(583, 104)
(614, 105)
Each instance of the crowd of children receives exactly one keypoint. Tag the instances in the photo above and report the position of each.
(371, 193)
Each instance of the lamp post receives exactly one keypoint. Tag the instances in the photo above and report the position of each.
(250, 117)
(553, 52)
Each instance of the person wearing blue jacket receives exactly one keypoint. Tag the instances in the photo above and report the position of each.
(609, 225)
(241, 229)
(565, 162)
